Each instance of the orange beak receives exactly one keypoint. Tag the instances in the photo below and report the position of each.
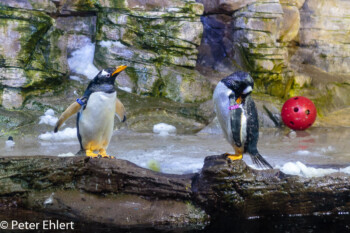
(119, 69)
(239, 100)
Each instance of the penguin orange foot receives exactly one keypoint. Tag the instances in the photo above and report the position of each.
(91, 154)
(238, 116)
(234, 156)
(103, 154)
(95, 113)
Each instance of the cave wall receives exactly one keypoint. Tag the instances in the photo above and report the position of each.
(177, 49)
(43, 41)
(291, 47)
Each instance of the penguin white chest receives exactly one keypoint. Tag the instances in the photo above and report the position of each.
(96, 122)
(243, 127)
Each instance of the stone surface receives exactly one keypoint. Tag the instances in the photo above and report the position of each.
(38, 37)
(122, 210)
(273, 39)
(290, 24)
(256, 34)
(216, 49)
(162, 44)
(32, 51)
(11, 98)
(144, 112)
(324, 37)
(119, 193)
(12, 77)
(40, 5)
(298, 3)
(224, 6)
(153, 41)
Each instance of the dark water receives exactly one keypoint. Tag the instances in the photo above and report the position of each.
(289, 224)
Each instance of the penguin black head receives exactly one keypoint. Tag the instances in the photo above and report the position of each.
(108, 76)
(104, 81)
(241, 83)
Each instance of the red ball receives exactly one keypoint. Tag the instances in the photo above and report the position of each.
(298, 113)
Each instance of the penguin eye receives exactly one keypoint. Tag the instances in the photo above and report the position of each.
(108, 75)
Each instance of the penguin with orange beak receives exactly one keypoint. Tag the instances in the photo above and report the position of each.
(95, 113)
(238, 116)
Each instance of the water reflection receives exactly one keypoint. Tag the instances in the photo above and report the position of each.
(318, 147)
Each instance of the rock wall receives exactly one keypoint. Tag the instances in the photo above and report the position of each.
(256, 38)
(291, 47)
(42, 42)
(158, 40)
(324, 35)
(32, 52)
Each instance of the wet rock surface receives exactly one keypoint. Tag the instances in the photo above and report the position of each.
(149, 37)
(278, 42)
(238, 190)
(54, 42)
(80, 188)
(176, 49)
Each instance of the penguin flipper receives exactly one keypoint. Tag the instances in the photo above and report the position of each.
(253, 135)
(120, 111)
(71, 110)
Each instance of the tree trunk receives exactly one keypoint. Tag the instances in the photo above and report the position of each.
(119, 193)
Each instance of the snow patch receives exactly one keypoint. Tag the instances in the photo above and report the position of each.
(164, 129)
(118, 48)
(75, 78)
(173, 9)
(82, 59)
(126, 89)
(69, 154)
(303, 152)
(328, 149)
(108, 44)
(49, 200)
(66, 134)
(345, 170)
(301, 169)
(48, 118)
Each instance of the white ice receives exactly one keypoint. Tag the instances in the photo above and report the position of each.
(69, 154)
(126, 89)
(118, 48)
(49, 200)
(82, 59)
(75, 78)
(303, 152)
(48, 118)
(66, 134)
(107, 44)
(164, 129)
(300, 169)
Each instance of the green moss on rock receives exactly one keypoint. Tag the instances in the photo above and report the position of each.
(184, 85)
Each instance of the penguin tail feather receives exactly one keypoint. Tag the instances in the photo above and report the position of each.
(260, 161)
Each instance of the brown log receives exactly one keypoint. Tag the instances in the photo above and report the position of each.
(119, 193)
(232, 188)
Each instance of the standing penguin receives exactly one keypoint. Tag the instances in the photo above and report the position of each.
(238, 116)
(96, 109)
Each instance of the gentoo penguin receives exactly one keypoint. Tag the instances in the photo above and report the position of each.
(238, 116)
(96, 109)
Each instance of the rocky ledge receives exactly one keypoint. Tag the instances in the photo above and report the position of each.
(119, 193)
